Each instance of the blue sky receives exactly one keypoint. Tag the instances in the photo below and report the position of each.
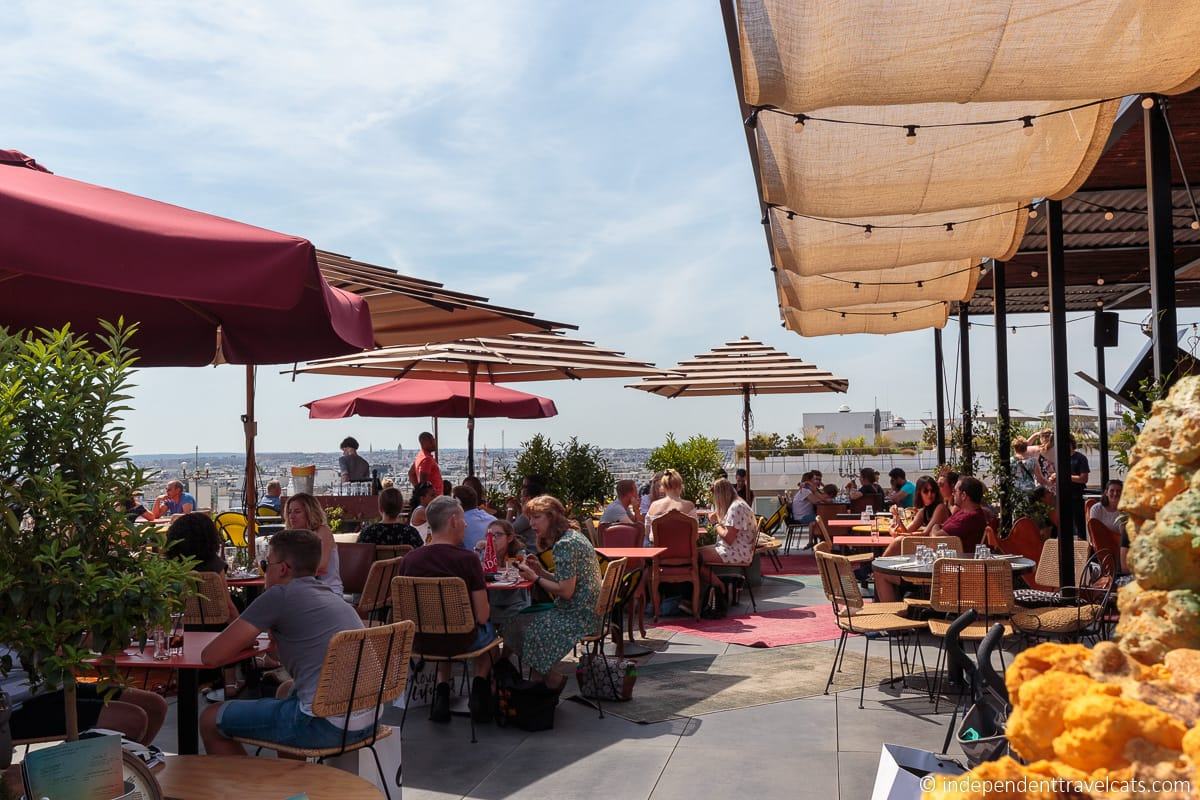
(583, 161)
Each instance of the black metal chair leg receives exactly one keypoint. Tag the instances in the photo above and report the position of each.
(837, 651)
(862, 686)
(382, 778)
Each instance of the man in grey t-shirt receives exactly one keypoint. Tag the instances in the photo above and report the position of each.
(302, 615)
(352, 466)
(625, 508)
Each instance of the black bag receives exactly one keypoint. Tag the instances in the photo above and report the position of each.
(528, 705)
(714, 603)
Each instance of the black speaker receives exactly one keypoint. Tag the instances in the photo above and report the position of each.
(1106, 329)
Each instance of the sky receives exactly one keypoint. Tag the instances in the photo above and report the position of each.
(582, 161)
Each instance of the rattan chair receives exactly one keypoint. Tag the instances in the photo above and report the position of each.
(908, 547)
(820, 531)
(384, 552)
(363, 669)
(841, 586)
(439, 607)
(1083, 620)
(984, 585)
(1046, 575)
(829, 585)
(375, 603)
(208, 608)
(593, 643)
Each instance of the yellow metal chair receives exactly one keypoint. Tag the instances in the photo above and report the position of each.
(232, 525)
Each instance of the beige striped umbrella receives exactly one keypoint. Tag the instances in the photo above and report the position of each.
(742, 367)
(518, 357)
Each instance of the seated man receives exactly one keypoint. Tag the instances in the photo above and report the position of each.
(477, 520)
(902, 492)
(625, 508)
(273, 498)
(172, 502)
(302, 616)
(445, 557)
(868, 484)
(969, 521)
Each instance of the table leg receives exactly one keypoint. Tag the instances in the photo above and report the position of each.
(188, 714)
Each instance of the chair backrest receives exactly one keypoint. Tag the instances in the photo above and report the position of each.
(1087, 505)
(985, 585)
(210, 604)
(677, 532)
(1104, 539)
(267, 511)
(859, 504)
(822, 530)
(363, 669)
(385, 552)
(354, 563)
(991, 539)
(774, 521)
(1047, 566)
(589, 530)
(437, 605)
(613, 572)
(908, 544)
(1025, 539)
(838, 579)
(376, 597)
(622, 534)
(232, 525)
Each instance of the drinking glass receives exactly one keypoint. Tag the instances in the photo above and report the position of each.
(870, 512)
(231, 557)
(162, 644)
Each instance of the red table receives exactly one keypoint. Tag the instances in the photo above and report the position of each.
(234, 583)
(630, 552)
(885, 524)
(864, 540)
(189, 665)
(635, 556)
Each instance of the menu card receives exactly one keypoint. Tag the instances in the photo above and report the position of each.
(89, 769)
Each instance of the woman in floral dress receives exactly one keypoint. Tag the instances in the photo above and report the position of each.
(542, 639)
(737, 532)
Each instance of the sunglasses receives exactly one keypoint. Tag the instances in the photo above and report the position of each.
(266, 565)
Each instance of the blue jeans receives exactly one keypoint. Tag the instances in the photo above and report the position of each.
(283, 722)
(807, 519)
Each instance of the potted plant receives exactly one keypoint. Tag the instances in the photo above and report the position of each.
(575, 472)
(76, 578)
(697, 461)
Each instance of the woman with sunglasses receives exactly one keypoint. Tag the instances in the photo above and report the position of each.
(930, 509)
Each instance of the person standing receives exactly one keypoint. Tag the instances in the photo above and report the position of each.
(1080, 470)
(352, 466)
(742, 483)
(425, 466)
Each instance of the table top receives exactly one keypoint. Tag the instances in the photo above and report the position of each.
(864, 541)
(510, 587)
(631, 552)
(219, 777)
(235, 582)
(905, 565)
(853, 524)
(194, 643)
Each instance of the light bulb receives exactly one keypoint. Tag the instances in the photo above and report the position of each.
(1014, 329)
(791, 215)
(949, 227)
(1033, 213)
(800, 120)
(1099, 304)
(1196, 224)
(1045, 307)
(1099, 281)
(1027, 126)
(1108, 214)
(1033, 273)
(1147, 102)
(920, 284)
(911, 136)
(867, 231)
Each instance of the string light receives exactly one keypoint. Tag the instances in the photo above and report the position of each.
(800, 120)
(1014, 330)
(1108, 215)
(894, 315)
(1099, 281)
(791, 215)
(1033, 273)
(867, 231)
(949, 227)
(911, 136)
(1033, 213)
(1147, 102)
(856, 287)
(1045, 307)
(1195, 225)
(920, 284)
(1027, 125)
(1099, 304)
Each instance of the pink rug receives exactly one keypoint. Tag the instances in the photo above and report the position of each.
(768, 629)
(803, 564)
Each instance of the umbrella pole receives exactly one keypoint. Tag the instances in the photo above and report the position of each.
(473, 370)
(746, 430)
(251, 428)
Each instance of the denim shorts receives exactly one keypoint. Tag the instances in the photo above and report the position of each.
(281, 721)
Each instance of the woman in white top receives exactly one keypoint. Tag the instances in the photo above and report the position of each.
(737, 532)
(670, 498)
(423, 494)
(1106, 512)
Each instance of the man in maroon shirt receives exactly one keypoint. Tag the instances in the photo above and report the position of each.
(969, 521)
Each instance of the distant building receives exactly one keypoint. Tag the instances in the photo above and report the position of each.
(846, 424)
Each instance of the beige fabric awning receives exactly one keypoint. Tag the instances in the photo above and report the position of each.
(854, 171)
(806, 54)
(502, 359)
(924, 283)
(815, 247)
(910, 316)
(407, 310)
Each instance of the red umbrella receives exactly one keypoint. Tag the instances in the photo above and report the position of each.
(72, 252)
(414, 398)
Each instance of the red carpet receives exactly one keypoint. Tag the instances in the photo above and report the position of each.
(802, 564)
(768, 629)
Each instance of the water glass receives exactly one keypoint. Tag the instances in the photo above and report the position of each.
(870, 512)
(982, 551)
(162, 644)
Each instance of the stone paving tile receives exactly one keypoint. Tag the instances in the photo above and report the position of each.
(743, 771)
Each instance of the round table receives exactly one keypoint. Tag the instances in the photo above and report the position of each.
(906, 566)
(219, 777)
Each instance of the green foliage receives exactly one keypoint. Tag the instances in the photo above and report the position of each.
(575, 473)
(697, 460)
(334, 517)
(74, 574)
(1150, 391)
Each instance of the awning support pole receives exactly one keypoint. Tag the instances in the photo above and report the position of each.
(250, 496)
(1102, 410)
(964, 346)
(473, 371)
(1162, 244)
(940, 390)
(1057, 279)
(1003, 421)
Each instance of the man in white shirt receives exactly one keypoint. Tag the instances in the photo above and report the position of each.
(624, 509)
(804, 509)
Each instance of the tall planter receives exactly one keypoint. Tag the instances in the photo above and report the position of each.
(75, 577)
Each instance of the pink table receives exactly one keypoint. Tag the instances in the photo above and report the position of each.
(864, 540)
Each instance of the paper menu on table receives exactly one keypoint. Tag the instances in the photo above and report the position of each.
(89, 769)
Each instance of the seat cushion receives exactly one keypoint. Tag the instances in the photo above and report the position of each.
(976, 630)
(1055, 620)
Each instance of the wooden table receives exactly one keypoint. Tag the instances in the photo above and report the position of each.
(189, 665)
(635, 556)
(852, 524)
(880, 541)
(220, 777)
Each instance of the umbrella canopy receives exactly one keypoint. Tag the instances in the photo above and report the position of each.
(415, 398)
(502, 359)
(72, 252)
(743, 367)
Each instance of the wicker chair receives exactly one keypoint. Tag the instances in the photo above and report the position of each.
(1047, 575)
(208, 608)
(375, 603)
(363, 669)
(384, 552)
(677, 532)
(959, 584)
(830, 587)
(593, 642)
(1085, 619)
(841, 586)
(820, 532)
(908, 547)
(439, 607)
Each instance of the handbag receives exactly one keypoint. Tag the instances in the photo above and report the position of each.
(715, 603)
(528, 705)
(602, 677)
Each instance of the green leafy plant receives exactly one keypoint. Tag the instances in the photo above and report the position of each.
(1150, 391)
(75, 575)
(576, 473)
(696, 459)
(334, 517)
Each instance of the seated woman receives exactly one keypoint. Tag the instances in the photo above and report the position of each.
(542, 639)
(304, 513)
(946, 483)
(195, 536)
(737, 532)
(1107, 514)
(930, 510)
(506, 603)
(670, 498)
(390, 531)
(422, 494)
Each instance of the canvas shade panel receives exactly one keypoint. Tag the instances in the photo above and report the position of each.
(853, 171)
(807, 54)
(911, 316)
(944, 280)
(814, 247)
